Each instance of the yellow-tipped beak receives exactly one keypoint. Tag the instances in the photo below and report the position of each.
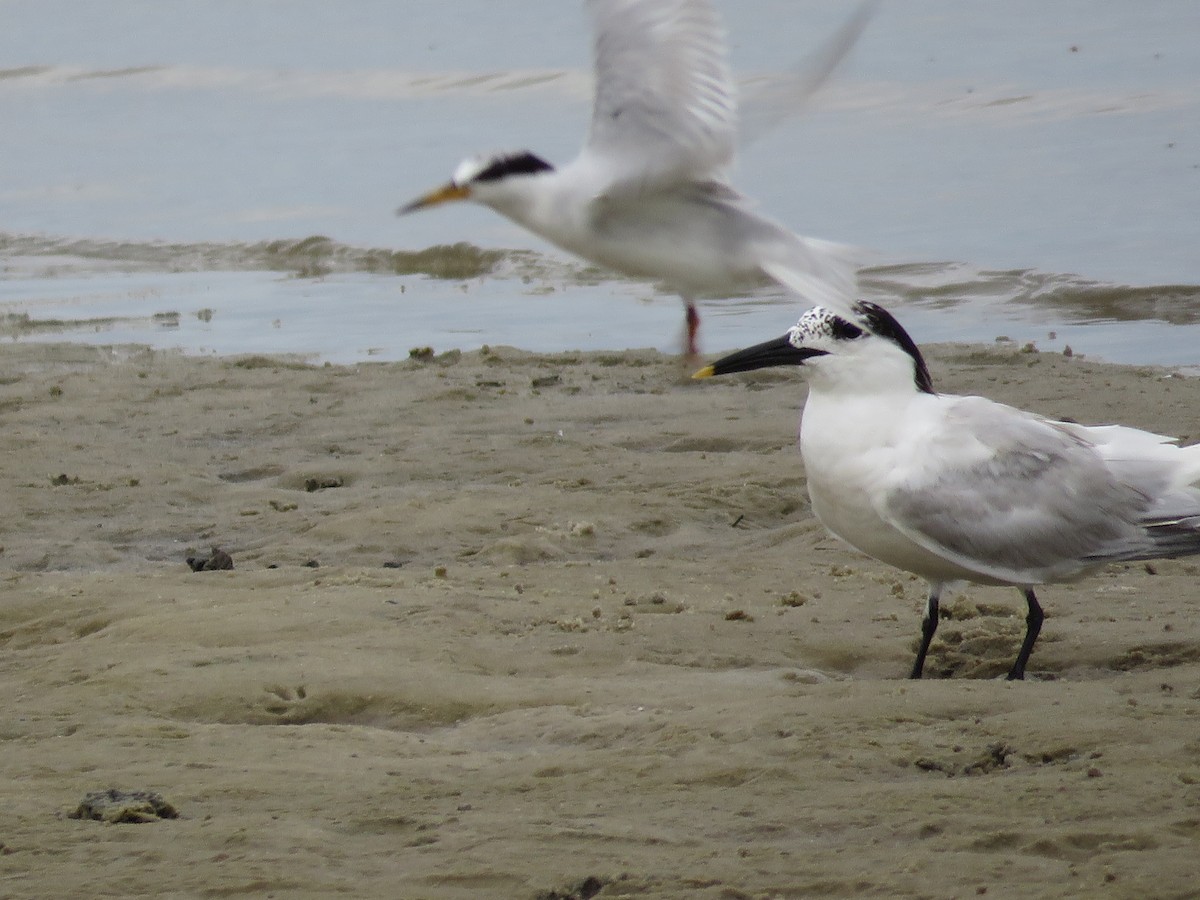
(706, 372)
(444, 194)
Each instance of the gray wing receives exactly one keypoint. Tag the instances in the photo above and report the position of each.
(1021, 499)
(664, 106)
(776, 99)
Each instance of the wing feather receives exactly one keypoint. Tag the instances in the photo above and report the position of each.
(664, 107)
(1026, 501)
(776, 99)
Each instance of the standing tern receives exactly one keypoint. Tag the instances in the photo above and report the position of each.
(648, 194)
(963, 488)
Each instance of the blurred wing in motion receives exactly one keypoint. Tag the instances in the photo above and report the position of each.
(766, 105)
(664, 108)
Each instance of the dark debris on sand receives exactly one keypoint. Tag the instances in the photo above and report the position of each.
(584, 890)
(217, 561)
(136, 807)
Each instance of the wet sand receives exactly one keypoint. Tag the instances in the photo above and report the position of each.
(515, 625)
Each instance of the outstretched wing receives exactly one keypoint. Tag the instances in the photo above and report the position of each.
(664, 105)
(775, 99)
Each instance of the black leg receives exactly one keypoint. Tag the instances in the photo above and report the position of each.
(929, 625)
(1033, 627)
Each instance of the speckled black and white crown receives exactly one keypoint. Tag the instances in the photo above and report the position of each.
(822, 325)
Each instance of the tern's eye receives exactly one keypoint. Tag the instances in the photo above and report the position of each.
(843, 330)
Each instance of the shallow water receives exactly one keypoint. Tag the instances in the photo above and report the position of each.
(1012, 169)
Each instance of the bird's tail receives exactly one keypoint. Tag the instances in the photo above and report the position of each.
(1121, 446)
(765, 105)
(1170, 527)
(1174, 522)
(1173, 537)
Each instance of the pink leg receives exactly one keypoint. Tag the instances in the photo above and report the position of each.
(693, 329)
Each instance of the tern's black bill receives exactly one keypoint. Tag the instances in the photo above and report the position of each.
(778, 352)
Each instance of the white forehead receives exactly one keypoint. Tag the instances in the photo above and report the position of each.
(815, 326)
(470, 167)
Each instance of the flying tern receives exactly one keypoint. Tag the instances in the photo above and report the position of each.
(957, 488)
(648, 195)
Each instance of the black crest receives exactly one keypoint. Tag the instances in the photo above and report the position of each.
(884, 324)
(523, 163)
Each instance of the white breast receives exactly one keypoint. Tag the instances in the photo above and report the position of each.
(852, 448)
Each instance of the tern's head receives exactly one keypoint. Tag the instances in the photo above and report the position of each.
(485, 179)
(868, 348)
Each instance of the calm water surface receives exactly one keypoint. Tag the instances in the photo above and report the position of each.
(1016, 169)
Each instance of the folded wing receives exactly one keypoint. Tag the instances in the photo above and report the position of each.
(1025, 500)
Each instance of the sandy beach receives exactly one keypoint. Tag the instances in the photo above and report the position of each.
(502, 624)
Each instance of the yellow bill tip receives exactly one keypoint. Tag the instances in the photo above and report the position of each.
(445, 194)
(706, 372)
